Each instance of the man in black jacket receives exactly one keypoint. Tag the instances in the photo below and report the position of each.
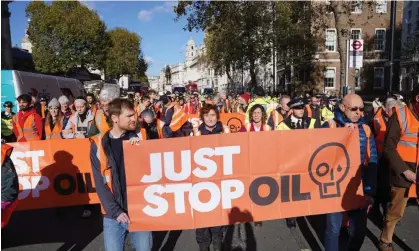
(113, 194)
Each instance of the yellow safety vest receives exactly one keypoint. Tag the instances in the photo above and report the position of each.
(282, 126)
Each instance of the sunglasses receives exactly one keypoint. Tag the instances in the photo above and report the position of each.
(355, 108)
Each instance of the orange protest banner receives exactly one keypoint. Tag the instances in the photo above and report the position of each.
(204, 181)
(54, 173)
(58, 173)
(234, 121)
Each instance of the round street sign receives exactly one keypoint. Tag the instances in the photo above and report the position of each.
(356, 45)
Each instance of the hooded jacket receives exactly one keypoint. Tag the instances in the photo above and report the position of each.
(369, 172)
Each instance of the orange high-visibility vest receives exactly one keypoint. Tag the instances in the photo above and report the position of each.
(409, 128)
(94, 109)
(227, 106)
(43, 110)
(278, 117)
(309, 111)
(56, 131)
(265, 127)
(179, 117)
(29, 129)
(6, 151)
(160, 124)
(105, 169)
(380, 129)
(103, 127)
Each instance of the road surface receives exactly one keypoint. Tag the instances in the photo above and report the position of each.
(63, 229)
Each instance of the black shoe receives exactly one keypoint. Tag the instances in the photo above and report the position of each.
(291, 223)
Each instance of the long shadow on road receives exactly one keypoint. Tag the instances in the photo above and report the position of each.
(56, 225)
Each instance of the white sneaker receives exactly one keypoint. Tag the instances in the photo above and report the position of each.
(86, 213)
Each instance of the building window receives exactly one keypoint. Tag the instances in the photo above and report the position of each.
(379, 77)
(381, 6)
(409, 15)
(216, 82)
(330, 78)
(356, 34)
(409, 28)
(380, 39)
(208, 82)
(356, 6)
(191, 54)
(358, 80)
(330, 40)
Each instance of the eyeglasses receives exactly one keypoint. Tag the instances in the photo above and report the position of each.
(355, 108)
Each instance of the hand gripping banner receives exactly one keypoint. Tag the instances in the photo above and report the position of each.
(215, 180)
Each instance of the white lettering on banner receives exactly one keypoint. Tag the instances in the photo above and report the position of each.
(32, 184)
(230, 189)
(206, 169)
(29, 182)
(164, 164)
(200, 206)
(21, 166)
(211, 166)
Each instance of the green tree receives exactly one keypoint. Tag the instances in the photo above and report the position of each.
(123, 54)
(238, 32)
(141, 69)
(65, 34)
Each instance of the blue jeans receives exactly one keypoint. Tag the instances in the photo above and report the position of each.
(114, 234)
(357, 230)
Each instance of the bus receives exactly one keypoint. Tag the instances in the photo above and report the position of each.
(191, 87)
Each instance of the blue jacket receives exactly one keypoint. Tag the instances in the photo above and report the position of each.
(369, 173)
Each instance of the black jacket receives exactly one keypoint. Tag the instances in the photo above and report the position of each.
(218, 129)
(114, 202)
(316, 114)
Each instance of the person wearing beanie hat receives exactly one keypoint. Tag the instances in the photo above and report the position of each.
(81, 121)
(102, 121)
(65, 109)
(54, 121)
(54, 103)
(260, 99)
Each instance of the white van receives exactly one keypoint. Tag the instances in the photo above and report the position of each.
(14, 83)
